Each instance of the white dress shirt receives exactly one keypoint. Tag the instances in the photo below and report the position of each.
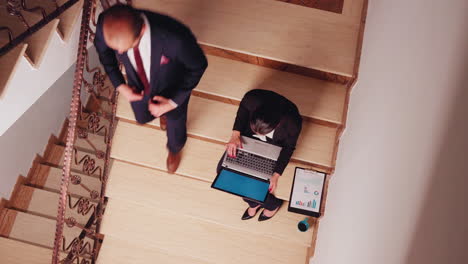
(145, 50)
(263, 137)
(145, 53)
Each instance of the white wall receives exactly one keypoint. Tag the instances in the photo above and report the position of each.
(28, 83)
(400, 191)
(29, 135)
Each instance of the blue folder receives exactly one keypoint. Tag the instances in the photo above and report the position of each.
(243, 185)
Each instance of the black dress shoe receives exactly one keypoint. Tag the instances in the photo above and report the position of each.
(263, 217)
(246, 215)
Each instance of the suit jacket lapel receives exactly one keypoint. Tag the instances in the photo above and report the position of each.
(131, 72)
(157, 38)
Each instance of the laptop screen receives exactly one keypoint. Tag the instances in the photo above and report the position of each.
(241, 185)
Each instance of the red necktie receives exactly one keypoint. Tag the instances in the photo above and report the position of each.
(141, 70)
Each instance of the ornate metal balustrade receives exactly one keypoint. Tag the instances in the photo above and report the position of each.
(84, 248)
(16, 9)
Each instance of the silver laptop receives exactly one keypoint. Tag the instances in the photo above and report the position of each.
(255, 158)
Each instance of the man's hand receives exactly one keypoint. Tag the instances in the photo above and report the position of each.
(234, 143)
(161, 107)
(274, 182)
(129, 93)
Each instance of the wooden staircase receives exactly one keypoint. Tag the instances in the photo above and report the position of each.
(34, 48)
(311, 56)
(33, 66)
(28, 218)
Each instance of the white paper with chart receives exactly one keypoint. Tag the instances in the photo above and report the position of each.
(307, 190)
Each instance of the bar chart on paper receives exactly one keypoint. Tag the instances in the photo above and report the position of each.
(309, 204)
(307, 190)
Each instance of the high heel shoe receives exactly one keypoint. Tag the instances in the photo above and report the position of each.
(246, 215)
(263, 217)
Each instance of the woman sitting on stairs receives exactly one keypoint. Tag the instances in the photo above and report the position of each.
(270, 117)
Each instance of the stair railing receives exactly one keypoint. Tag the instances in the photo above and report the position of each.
(15, 9)
(77, 246)
(84, 248)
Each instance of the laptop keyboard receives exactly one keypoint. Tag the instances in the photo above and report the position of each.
(254, 162)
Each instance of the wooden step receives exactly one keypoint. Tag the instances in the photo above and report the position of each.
(37, 42)
(353, 8)
(101, 103)
(100, 123)
(34, 229)
(55, 154)
(14, 23)
(228, 80)
(315, 145)
(275, 30)
(122, 251)
(194, 198)
(106, 94)
(16, 252)
(177, 234)
(50, 178)
(330, 5)
(106, 106)
(147, 146)
(9, 63)
(67, 19)
(43, 203)
(91, 144)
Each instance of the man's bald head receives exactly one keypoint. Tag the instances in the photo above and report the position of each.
(122, 27)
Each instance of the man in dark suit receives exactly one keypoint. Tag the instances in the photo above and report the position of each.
(270, 117)
(163, 63)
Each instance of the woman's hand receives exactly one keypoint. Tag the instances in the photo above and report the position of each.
(273, 182)
(234, 143)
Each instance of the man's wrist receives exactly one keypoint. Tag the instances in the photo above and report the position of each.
(169, 107)
(121, 86)
(123, 89)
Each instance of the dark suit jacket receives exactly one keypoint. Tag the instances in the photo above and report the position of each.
(170, 38)
(287, 131)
